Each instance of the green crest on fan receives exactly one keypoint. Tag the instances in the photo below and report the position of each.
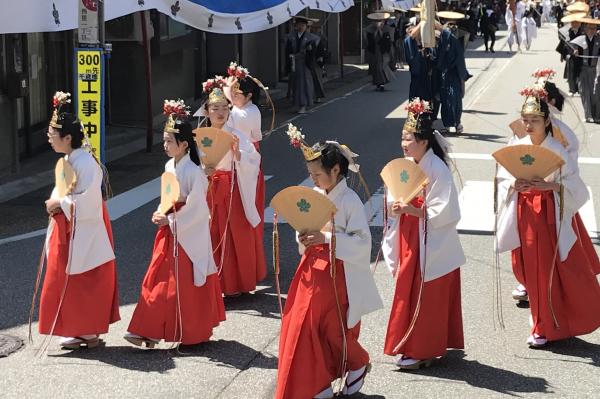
(303, 205)
(527, 160)
(404, 176)
(206, 142)
(168, 189)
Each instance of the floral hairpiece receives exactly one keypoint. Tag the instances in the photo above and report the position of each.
(418, 106)
(547, 73)
(295, 135)
(60, 98)
(534, 91)
(237, 70)
(176, 107)
(211, 84)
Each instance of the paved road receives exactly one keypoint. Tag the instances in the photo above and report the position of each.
(241, 360)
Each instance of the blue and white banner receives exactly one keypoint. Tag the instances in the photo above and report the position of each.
(219, 16)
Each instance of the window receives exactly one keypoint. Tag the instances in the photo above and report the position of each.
(170, 29)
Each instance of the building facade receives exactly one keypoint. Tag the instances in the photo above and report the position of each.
(35, 65)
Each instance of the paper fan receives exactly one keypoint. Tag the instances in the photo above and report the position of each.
(169, 192)
(303, 208)
(64, 177)
(404, 178)
(214, 144)
(527, 161)
(518, 128)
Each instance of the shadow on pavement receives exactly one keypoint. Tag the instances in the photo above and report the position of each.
(455, 367)
(226, 353)
(483, 137)
(229, 354)
(126, 357)
(577, 347)
(475, 111)
(263, 301)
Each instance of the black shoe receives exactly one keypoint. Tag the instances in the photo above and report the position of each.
(486, 50)
(492, 50)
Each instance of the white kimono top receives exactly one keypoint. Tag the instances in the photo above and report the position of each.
(193, 225)
(444, 251)
(246, 170)
(247, 120)
(575, 196)
(353, 247)
(91, 246)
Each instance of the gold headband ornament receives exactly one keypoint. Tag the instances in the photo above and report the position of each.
(534, 95)
(60, 98)
(214, 88)
(297, 141)
(174, 109)
(415, 109)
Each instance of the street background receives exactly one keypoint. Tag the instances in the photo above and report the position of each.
(241, 359)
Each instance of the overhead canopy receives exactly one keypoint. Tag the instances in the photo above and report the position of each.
(219, 16)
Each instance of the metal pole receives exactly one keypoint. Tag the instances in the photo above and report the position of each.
(148, 70)
(341, 35)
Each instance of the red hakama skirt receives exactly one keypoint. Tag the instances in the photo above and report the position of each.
(575, 289)
(439, 322)
(243, 263)
(91, 300)
(311, 344)
(157, 316)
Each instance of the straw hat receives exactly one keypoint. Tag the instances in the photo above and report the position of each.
(450, 15)
(379, 16)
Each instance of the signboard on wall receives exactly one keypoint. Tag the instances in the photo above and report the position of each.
(89, 69)
(88, 23)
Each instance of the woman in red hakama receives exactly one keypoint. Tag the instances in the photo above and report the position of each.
(422, 249)
(311, 345)
(235, 217)
(156, 315)
(181, 299)
(79, 297)
(575, 289)
(93, 293)
(439, 323)
(239, 249)
(559, 270)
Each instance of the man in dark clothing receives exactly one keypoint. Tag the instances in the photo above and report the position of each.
(300, 47)
(489, 25)
(566, 50)
(379, 49)
(450, 62)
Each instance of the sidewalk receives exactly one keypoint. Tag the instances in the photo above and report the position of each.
(22, 195)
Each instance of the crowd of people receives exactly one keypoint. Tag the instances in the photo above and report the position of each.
(209, 242)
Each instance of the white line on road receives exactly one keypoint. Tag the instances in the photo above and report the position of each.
(477, 210)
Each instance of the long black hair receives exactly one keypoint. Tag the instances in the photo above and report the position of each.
(554, 94)
(186, 135)
(425, 132)
(249, 86)
(331, 156)
(70, 127)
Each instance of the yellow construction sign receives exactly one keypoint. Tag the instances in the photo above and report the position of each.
(90, 97)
